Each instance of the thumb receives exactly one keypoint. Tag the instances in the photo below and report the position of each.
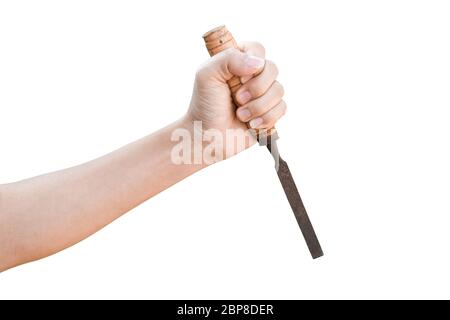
(232, 62)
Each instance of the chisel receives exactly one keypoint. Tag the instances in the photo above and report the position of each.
(217, 40)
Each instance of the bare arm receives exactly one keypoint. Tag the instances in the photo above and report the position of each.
(43, 215)
(48, 213)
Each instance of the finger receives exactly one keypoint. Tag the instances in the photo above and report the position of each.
(254, 49)
(228, 63)
(257, 86)
(261, 105)
(268, 120)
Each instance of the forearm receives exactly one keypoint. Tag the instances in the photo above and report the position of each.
(45, 214)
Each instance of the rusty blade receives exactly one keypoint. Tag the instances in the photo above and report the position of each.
(293, 196)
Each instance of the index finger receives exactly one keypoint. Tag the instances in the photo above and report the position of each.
(254, 49)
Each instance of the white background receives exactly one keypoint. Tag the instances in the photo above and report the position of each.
(366, 136)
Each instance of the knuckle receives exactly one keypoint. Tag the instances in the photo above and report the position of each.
(256, 108)
(204, 73)
(224, 56)
(254, 48)
(258, 46)
(272, 67)
(283, 107)
(200, 74)
(230, 52)
(256, 89)
(279, 88)
(268, 121)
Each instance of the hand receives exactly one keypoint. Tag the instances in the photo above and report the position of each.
(260, 97)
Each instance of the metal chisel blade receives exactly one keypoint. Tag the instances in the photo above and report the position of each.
(293, 196)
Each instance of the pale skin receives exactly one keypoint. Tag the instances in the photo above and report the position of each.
(46, 214)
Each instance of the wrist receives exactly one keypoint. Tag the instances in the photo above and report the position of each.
(193, 145)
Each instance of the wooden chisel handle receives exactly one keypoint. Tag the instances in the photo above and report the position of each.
(218, 40)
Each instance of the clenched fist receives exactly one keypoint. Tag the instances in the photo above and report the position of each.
(259, 99)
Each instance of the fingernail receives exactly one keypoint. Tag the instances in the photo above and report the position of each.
(244, 97)
(254, 62)
(243, 114)
(256, 122)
